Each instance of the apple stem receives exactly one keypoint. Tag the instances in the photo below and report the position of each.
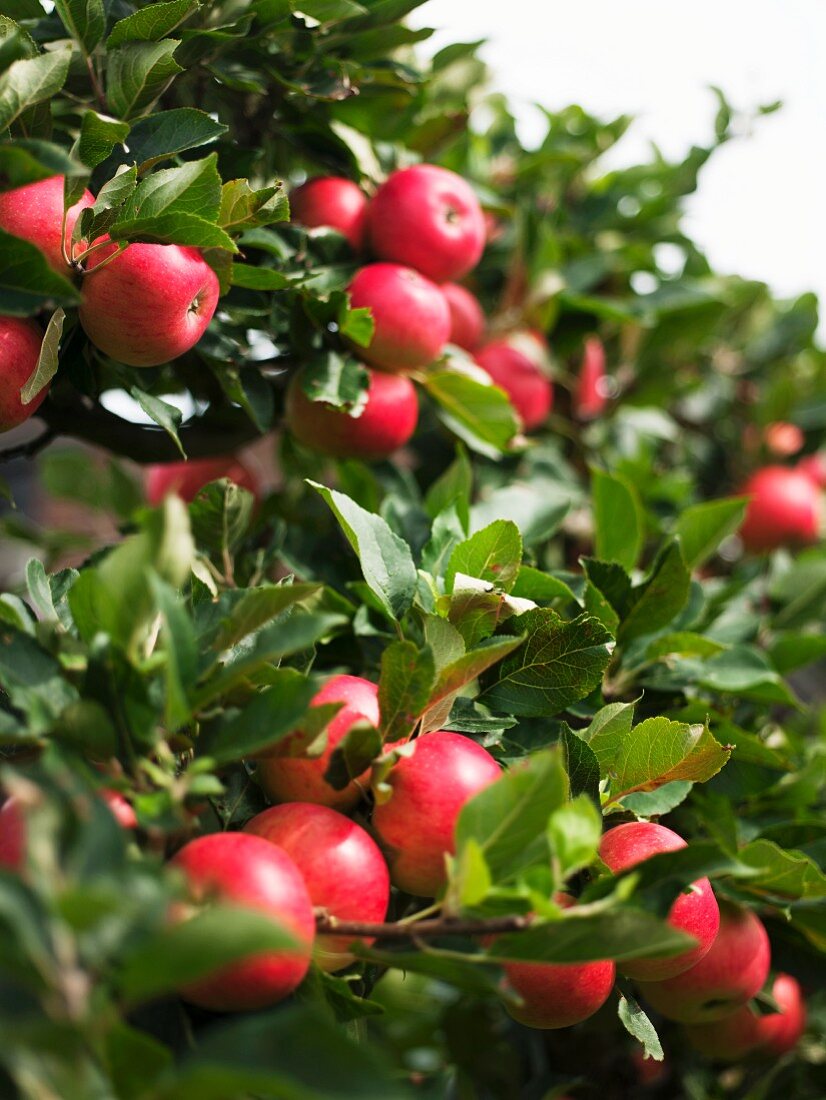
(438, 926)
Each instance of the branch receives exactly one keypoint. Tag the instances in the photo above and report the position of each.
(28, 449)
(438, 926)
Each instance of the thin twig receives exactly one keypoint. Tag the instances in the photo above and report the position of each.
(425, 929)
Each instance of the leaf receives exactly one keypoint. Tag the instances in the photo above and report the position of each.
(99, 135)
(221, 514)
(533, 584)
(452, 489)
(659, 802)
(405, 685)
(85, 20)
(609, 728)
(27, 282)
(385, 559)
(537, 509)
(46, 367)
(166, 133)
(177, 227)
(660, 751)
(258, 278)
(637, 1024)
(459, 673)
(256, 607)
(137, 73)
(353, 754)
(660, 598)
(470, 882)
(29, 160)
(191, 188)
(479, 413)
(151, 23)
(493, 554)
(33, 681)
(560, 663)
(781, 873)
(30, 81)
(135, 1060)
(618, 518)
(166, 416)
(337, 380)
(745, 671)
(574, 832)
(181, 651)
(702, 527)
(581, 764)
(243, 208)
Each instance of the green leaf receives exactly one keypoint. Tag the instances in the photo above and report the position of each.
(479, 413)
(781, 873)
(243, 208)
(360, 745)
(177, 227)
(151, 23)
(191, 188)
(29, 160)
(85, 20)
(136, 74)
(255, 607)
(166, 416)
(471, 881)
(702, 527)
(581, 764)
(258, 278)
(493, 554)
(659, 802)
(99, 135)
(685, 644)
(135, 1060)
(30, 81)
(660, 597)
(574, 832)
(27, 282)
(533, 584)
(46, 367)
(537, 508)
(167, 133)
(608, 729)
(452, 489)
(405, 685)
(618, 519)
(221, 514)
(637, 1024)
(358, 325)
(560, 663)
(337, 380)
(181, 651)
(460, 672)
(746, 671)
(659, 751)
(65, 473)
(385, 559)
(33, 681)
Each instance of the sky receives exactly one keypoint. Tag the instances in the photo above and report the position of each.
(760, 208)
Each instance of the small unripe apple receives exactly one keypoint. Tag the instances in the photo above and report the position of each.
(814, 468)
(428, 218)
(20, 341)
(35, 213)
(744, 1034)
(410, 315)
(333, 202)
(590, 396)
(514, 369)
(150, 304)
(287, 774)
(186, 479)
(467, 321)
(387, 421)
(339, 861)
(237, 868)
(695, 912)
(729, 974)
(429, 788)
(784, 509)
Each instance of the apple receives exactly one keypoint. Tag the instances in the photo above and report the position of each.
(814, 468)
(783, 439)
(729, 974)
(20, 341)
(150, 304)
(558, 995)
(340, 863)
(186, 479)
(744, 1034)
(12, 835)
(467, 321)
(428, 218)
(513, 366)
(784, 509)
(386, 422)
(238, 868)
(590, 396)
(287, 774)
(415, 825)
(122, 811)
(410, 315)
(333, 202)
(695, 912)
(35, 213)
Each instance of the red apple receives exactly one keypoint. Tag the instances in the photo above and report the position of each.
(514, 370)
(729, 975)
(20, 341)
(695, 912)
(122, 811)
(429, 788)
(783, 439)
(251, 872)
(186, 479)
(784, 509)
(341, 864)
(12, 835)
(410, 315)
(744, 1034)
(35, 213)
(814, 468)
(428, 218)
(590, 396)
(333, 202)
(386, 422)
(149, 305)
(287, 774)
(559, 994)
(467, 321)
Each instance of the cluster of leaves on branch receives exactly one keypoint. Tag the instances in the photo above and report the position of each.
(564, 603)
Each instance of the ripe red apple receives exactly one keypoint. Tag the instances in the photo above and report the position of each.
(386, 422)
(149, 305)
(784, 509)
(287, 774)
(783, 439)
(695, 912)
(35, 213)
(511, 366)
(429, 788)
(428, 218)
(590, 396)
(187, 478)
(814, 468)
(333, 202)
(340, 862)
(12, 835)
(20, 341)
(559, 994)
(122, 810)
(730, 974)
(410, 315)
(467, 321)
(744, 1034)
(252, 872)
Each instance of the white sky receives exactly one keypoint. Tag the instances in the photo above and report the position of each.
(761, 206)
